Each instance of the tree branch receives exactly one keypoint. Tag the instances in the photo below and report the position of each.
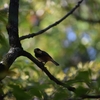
(91, 96)
(41, 66)
(12, 26)
(52, 25)
(15, 46)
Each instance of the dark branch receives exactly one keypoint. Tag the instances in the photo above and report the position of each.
(15, 46)
(1, 97)
(41, 66)
(91, 96)
(12, 26)
(52, 25)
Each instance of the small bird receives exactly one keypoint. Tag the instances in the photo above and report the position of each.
(43, 56)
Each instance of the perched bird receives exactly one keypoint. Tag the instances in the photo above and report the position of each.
(44, 56)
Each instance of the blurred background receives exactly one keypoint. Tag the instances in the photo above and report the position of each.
(74, 44)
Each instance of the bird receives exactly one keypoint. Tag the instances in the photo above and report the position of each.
(43, 56)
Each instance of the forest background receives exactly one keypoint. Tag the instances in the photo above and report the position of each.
(74, 43)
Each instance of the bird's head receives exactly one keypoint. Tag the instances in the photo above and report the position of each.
(37, 50)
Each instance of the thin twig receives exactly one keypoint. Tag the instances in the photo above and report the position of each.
(52, 25)
(91, 96)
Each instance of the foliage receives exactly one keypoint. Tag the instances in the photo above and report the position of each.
(74, 44)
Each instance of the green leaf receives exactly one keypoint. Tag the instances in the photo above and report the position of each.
(35, 92)
(81, 91)
(19, 93)
(61, 94)
(83, 76)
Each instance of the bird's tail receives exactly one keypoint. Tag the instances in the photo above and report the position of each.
(54, 62)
